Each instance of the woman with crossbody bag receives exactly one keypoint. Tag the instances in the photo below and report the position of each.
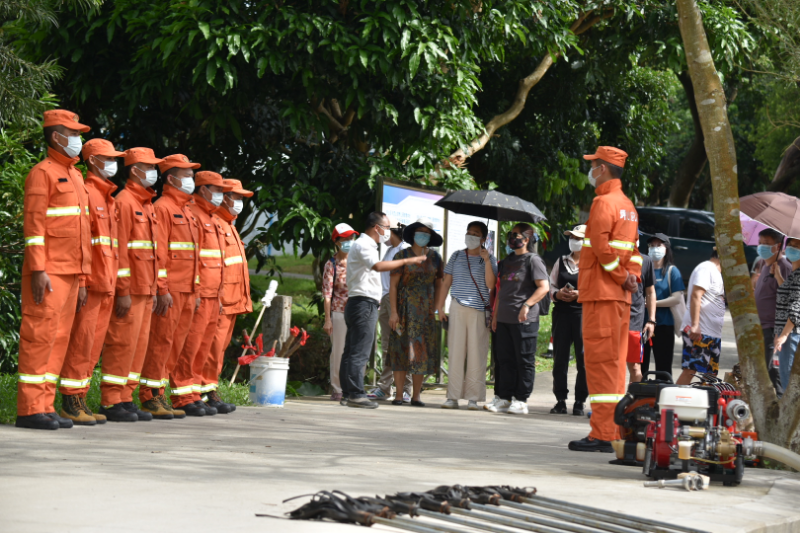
(469, 282)
(670, 305)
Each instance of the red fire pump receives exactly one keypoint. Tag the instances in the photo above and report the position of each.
(668, 429)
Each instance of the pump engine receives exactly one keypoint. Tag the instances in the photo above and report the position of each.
(668, 429)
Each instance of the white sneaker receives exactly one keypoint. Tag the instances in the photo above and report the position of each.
(518, 407)
(450, 404)
(473, 405)
(487, 405)
(498, 406)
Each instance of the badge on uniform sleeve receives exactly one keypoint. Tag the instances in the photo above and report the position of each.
(62, 180)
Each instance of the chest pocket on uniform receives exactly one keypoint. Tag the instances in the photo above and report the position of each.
(210, 257)
(181, 246)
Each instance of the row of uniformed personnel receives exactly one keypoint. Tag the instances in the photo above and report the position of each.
(154, 286)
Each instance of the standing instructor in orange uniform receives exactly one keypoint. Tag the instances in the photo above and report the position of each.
(609, 272)
(177, 245)
(58, 251)
(91, 322)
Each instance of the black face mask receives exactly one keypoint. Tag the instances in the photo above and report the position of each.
(515, 244)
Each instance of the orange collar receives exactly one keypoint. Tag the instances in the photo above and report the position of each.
(68, 162)
(204, 204)
(609, 187)
(176, 195)
(223, 213)
(104, 186)
(144, 196)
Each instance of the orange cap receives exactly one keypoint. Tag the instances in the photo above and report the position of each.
(609, 154)
(236, 186)
(99, 147)
(141, 155)
(206, 177)
(62, 117)
(176, 161)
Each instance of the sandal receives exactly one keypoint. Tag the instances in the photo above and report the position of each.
(417, 403)
(397, 402)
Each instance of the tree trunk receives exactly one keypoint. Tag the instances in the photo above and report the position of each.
(695, 160)
(788, 170)
(710, 100)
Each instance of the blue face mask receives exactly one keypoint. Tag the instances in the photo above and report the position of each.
(509, 250)
(345, 246)
(657, 253)
(765, 251)
(792, 253)
(422, 238)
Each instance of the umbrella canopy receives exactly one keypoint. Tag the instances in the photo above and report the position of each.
(491, 204)
(750, 229)
(777, 210)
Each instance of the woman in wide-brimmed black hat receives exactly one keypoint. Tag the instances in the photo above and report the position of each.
(413, 291)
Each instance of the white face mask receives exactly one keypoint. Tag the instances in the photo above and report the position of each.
(187, 185)
(575, 246)
(592, 180)
(216, 198)
(108, 169)
(150, 177)
(237, 207)
(472, 241)
(385, 236)
(73, 147)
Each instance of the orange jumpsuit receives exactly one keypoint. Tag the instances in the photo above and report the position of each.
(235, 299)
(609, 256)
(185, 378)
(177, 275)
(126, 340)
(58, 241)
(91, 322)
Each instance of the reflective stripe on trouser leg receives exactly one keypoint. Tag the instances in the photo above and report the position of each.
(605, 338)
(139, 338)
(121, 341)
(41, 326)
(216, 352)
(85, 343)
(165, 334)
(188, 368)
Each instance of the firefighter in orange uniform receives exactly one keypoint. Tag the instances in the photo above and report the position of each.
(609, 272)
(135, 289)
(185, 377)
(177, 297)
(91, 322)
(58, 251)
(234, 296)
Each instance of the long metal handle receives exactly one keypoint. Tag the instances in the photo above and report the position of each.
(410, 525)
(587, 511)
(464, 521)
(518, 520)
(583, 520)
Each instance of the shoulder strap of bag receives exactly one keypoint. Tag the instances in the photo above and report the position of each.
(333, 262)
(669, 278)
(466, 256)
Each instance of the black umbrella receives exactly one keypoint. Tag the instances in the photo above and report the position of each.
(491, 204)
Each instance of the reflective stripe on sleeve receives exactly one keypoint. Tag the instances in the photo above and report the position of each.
(115, 380)
(116, 243)
(182, 391)
(181, 245)
(637, 259)
(162, 272)
(587, 243)
(197, 278)
(36, 240)
(210, 253)
(101, 239)
(75, 383)
(86, 207)
(622, 245)
(605, 398)
(51, 378)
(236, 259)
(124, 273)
(141, 245)
(611, 266)
(69, 211)
(32, 379)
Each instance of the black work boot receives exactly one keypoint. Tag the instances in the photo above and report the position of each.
(117, 413)
(144, 416)
(63, 423)
(192, 409)
(560, 408)
(210, 410)
(212, 399)
(37, 421)
(577, 409)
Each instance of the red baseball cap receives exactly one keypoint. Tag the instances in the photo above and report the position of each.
(62, 117)
(609, 154)
(343, 230)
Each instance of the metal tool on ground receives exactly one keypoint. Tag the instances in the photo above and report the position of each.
(266, 301)
(688, 483)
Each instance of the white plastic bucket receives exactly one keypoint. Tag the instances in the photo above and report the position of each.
(268, 381)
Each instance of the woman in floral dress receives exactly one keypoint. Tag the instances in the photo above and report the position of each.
(414, 342)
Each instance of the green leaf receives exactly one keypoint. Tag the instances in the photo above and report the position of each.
(364, 58)
(413, 65)
(205, 29)
(211, 72)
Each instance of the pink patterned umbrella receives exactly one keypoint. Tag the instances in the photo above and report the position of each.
(750, 229)
(776, 210)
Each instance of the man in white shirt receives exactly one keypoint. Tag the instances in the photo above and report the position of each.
(702, 322)
(384, 388)
(361, 311)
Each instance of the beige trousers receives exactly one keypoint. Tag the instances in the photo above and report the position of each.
(387, 377)
(337, 347)
(468, 347)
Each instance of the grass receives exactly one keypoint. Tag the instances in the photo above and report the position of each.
(237, 394)
(290, 263)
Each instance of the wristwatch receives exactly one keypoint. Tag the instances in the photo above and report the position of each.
(526, 305)
(650, 322)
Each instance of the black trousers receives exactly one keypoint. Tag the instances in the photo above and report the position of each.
(769, 347)
(568, 331)
(663, 346)
(361, 317)
(515, 367)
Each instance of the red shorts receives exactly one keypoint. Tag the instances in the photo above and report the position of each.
(635, 349)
